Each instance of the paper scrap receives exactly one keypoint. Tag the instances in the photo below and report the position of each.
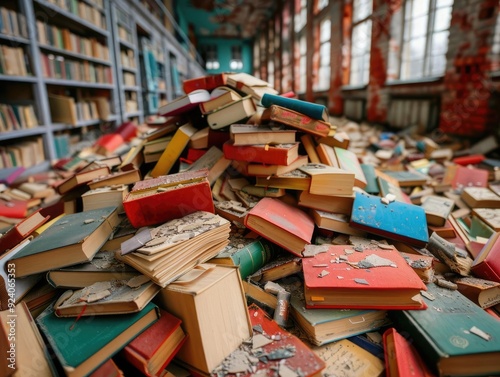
(260, 340)
(323, 273)
(361, 281)
(374, 260)
(477, 331)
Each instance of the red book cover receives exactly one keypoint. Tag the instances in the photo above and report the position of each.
(487, 264)
(127, 130)
(13, 208)
(161, 340)
(469, 160)
(21, 230)
(218, 138)
(108, 369)
(208, 82)
(401, 357)
(468, 176)
(281, 223)
(374, 278)
(281, 154)
(158, 200)
(296, 120)
(110, 142)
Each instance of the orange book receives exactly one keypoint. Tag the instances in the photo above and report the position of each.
(281, 223)
(375, 278)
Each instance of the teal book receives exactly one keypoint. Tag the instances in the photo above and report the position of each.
(72, 239)
(372, 186)
(313, 110)
(82, 345)
(454, 336)
(395, 220)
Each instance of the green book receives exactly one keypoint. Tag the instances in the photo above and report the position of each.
(72, 239)
(82, 345)
(455, 336)
(371, 179)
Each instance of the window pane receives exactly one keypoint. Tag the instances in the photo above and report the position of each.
(439, 43)
(323, 78)
(420, 8)
(361, 9)
(324, 53)
(444, 3)
(417, 48)
(419, 26)
(322, 4)
(438, 65)
(302, 74)
(443, 17)
(325, 28)
(416, 68)
(303, 45)
(360, 38)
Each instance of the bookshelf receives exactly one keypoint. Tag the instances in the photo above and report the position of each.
(71, 69)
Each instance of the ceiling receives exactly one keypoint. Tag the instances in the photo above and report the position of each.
(226, 18)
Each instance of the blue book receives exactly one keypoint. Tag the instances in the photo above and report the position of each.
(313, 110)
(395, 220)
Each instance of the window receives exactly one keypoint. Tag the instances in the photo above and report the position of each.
(270, 53)
(320, 5)
(323, 79)
(211, 59)
(360, 42)
(425, 38)
(300, 15)
(236, 63)
(300, 48)
(495, 48)
(286, 55)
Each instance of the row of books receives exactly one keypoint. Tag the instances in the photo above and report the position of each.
(13, 61)
(65, 109)
(17, 117)
(127, 58)
(59, 67)
(84, 10)
(64, 39)
(13, 23)
(25, 154)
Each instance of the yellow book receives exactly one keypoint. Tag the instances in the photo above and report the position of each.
(43, 227)
(173, 150)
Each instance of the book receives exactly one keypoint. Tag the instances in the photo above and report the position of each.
(330, 325)
(173, 150)
(422, 264)
(18, 232)
(25, 353)
(490, 216)
(281, 223)
(278, 268)
(454, 336)
(157, 200)
(248, 253)
(126, 177)
(152, 350)
(401, 357)
(214, 161)
(249, 84)
(348, 161)
(408, 178)
(81, 178)
(105, 197)
(226, 97)
(211, 304)
(480, 197)
(313, 110)
(391, 283)
(394, 220)
(9, 175)
(485, 293)
(437, 209)
(249, 134)
(208, 82)
(107, 297)
(460, 177)
(108, 369)
(486, 264)
(276, 154)
(387, 186)
(372, 186)
(13, 208)
(73, 239)
(336, 222)
(102, 267)
(294, 180)
(310, 147)
(37, 190)
(259, 169)
(328, 180)
(274, 341)
(296, 120)
(172, 249)
(82, 346)
(231, 113)
(184, 103)
(336, 204)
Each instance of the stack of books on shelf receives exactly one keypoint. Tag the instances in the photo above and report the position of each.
(245, 232)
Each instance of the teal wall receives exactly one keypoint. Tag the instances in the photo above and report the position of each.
(224, 53)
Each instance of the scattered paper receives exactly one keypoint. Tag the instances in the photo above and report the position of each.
(374, 260)
(323, 273)
(260, 340)
(477, 331)
(361, 281)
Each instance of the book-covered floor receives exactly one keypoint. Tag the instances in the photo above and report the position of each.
(275, 241)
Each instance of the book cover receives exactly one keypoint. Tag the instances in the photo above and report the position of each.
(232, 112)
(82, 346)
(277, 154)
(490, 216)
(152, 350)
(394, 220)
(81, 178)
(281, 223)
(208, 82)
(407, 178)
(126, 177)
(372, 279)
(250, 134)
(258, 169)
(225, 97)
(313, 110)
(21, 230)
(437, 209)
(294, 119)
(184, 103)
(173, 150)
(348, 161)
(454, 336)
(336, 204)
(13, 208)
(372, 186)
(389, 187)
(249, 84)
(328, 180)
(486, 264)
(462, 176)
(480, 197)
(73, 239)
(294, 180)
(310, 147)
(485, 293)
(167, 197)
(336, 222)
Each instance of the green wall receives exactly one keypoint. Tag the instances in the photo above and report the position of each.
(224, 53)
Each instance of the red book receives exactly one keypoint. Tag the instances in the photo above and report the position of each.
(152, 350)
(401, 357)
(487, 264)
(468, 176)
(208, 82)
(109, 143)
(296, 120)
(21, 230)
(13, 208)
(127, 130)
(469, 160)
(108, 369)
(281, 223)
(280, 154)
(184, 103)
(158, 200)
(375, 278)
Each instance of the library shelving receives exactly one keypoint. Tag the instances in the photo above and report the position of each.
(71, 69)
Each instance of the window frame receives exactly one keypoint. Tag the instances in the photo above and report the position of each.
(355, 23)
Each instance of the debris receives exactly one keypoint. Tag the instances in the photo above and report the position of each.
(260, 340)
(361, 281)
(477, 331)
(323, 273)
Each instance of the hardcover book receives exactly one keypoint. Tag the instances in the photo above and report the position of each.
(258, 169)
(480, 197)
(9, 175)
(490, 216)
(406, 178)
(72, 239)
(336, 204)
(394, 220)
(282, 224)
(328, 180)
(277, 154)
(336, 222)
(157, 200)
(21, 230)
(94, 339)
(487, 263)
(208, 82)
(249, 134)
(313, 110)
(13, 208)
(226, 96)
(339, 279)
(249, 84)
(81, 178)
(126, 177)
(485, 293)
(454, 336)
(348, 161)
(294, 180)
(184, 103)
(437, 209)
(233, 112)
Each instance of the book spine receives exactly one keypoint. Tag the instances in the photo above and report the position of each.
(254, 256)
